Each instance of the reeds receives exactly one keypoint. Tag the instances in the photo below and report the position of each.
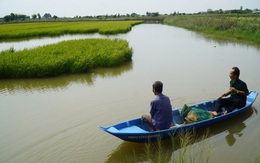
(75, 56)
(187, 147)
(184, 149)
(189, 151)
(27, 30)
(222, 26)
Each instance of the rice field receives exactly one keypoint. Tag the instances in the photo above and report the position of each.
(74, 56)
(40, 29)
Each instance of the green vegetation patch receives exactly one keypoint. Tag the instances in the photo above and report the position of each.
(245, 27)
(26, 30)
(75, 56)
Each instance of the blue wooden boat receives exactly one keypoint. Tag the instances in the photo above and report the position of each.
(137, 130)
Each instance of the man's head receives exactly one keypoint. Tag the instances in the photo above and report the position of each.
(234, 73)
(157, 87)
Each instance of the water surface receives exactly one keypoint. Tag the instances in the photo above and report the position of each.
(56, 119)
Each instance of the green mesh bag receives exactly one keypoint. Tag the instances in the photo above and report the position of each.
(196, 114)
(185, 110)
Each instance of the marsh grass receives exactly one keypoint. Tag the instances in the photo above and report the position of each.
(147, 151)
(220, 26)
(191, 152)
(74, 56)
(40, 29)
(184, 149)
(257, 160)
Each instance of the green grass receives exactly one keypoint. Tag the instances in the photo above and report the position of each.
(40, 29)
(184, 149)
(246, 28)
(75, 56)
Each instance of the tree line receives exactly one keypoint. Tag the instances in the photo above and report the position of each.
(15, 17)
(235, 11)
(20, 17)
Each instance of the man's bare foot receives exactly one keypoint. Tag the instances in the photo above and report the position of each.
(182, 124)
(214, 113)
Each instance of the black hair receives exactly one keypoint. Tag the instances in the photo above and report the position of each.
(158, 86)
(236, 71)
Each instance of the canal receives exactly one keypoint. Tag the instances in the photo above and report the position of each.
(56, 119)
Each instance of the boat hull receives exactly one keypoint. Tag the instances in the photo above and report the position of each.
(137, 130)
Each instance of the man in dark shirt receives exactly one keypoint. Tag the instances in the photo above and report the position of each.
(161, 110)
(238, 92)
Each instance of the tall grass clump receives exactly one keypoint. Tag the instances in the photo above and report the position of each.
(40, 29)
(189, 151)
(221, 26)
(184, 149)
(74, 56)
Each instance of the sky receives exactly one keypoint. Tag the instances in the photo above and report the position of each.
(71, 8)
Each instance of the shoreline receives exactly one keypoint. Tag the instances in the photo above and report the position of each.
(242, 29)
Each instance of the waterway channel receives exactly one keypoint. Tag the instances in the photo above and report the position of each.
(56, 119)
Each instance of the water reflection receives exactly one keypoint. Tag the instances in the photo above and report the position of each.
(234, 127)
(165, 151)
(20, 44)
(224, 42)
(11, 86)
(192, 69)
(237, 130)
(136, 152)
(256, 112)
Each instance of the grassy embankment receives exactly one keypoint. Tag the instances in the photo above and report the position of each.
(75, 56)
(229, 27)
(28, 30)
(66, 57)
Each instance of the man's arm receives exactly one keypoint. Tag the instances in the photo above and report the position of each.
(152, 110)
(241, 92)
(226, 94)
